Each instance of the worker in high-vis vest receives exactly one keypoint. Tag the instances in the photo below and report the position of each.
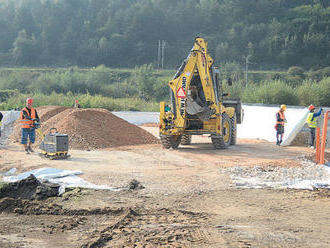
(280, 121)
(312, 123)
(29, 117)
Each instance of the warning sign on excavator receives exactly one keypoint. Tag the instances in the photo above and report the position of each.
(181, 93)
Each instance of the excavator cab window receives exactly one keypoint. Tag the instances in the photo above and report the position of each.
(197, 91)
(229, 82)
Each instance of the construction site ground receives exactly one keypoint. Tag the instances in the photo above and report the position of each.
(186, 201)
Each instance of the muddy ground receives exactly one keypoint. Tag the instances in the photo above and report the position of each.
(186, 201)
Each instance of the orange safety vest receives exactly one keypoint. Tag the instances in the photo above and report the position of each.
(282, 117)
(25, 122)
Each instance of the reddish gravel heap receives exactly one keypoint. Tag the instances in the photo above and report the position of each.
(90, 129)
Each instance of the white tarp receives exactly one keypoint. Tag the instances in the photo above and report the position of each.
(9, 117)
(295, 130)
(258, 123)
(138, 118)
(65, 178)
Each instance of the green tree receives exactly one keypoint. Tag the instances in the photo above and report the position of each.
(24, 50)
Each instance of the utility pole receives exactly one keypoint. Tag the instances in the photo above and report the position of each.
(159, 53)
(247, 62)
(163, 46)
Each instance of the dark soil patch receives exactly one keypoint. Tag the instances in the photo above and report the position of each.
(28, 207)
(30, 188)
(301, 139)
(135, 184)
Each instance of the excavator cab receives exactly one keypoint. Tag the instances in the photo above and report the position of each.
(197, 104)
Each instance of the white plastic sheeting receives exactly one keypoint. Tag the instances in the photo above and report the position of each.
(258, 122)
(296, 129)
(138, 118)
(9, 117)
(65, 178)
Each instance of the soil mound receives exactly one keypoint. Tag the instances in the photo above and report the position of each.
(46, 112)
(30, 188)
(90, 129)
(302, 139)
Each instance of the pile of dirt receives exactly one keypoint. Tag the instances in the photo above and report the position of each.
(30, 188)
(90, 129)
(47, 112)
(135, 184)
(302, 139)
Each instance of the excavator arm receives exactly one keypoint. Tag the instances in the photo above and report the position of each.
(198, 64)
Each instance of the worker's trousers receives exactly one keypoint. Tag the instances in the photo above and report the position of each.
(312, 136)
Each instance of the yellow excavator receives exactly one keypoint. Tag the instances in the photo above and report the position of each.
(196, 104)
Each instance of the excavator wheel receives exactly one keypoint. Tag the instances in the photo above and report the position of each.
(233, 130)
(186, 139)
(223, 141)
(169, 141)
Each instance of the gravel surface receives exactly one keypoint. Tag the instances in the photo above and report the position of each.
(308, 176)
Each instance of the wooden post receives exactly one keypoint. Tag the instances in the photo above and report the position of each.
(324, 137)
(318, 145)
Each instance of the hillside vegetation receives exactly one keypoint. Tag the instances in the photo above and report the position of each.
(125, 33)
(143, 87)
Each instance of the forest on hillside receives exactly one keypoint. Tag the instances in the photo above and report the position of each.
(276, 34)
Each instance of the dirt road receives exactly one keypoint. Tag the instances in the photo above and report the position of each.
(187, 201)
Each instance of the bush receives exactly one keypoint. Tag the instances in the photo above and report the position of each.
(144, 80)
(313, 92)
(6, 94)
(273, 92)
(85, 100)
(323, 92)
(307, 93)
(296, 71)
(236, 90)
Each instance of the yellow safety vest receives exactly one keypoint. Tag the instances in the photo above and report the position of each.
(311, 123)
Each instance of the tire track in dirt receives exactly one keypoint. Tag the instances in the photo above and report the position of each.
(137, 226)
(152, 228)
